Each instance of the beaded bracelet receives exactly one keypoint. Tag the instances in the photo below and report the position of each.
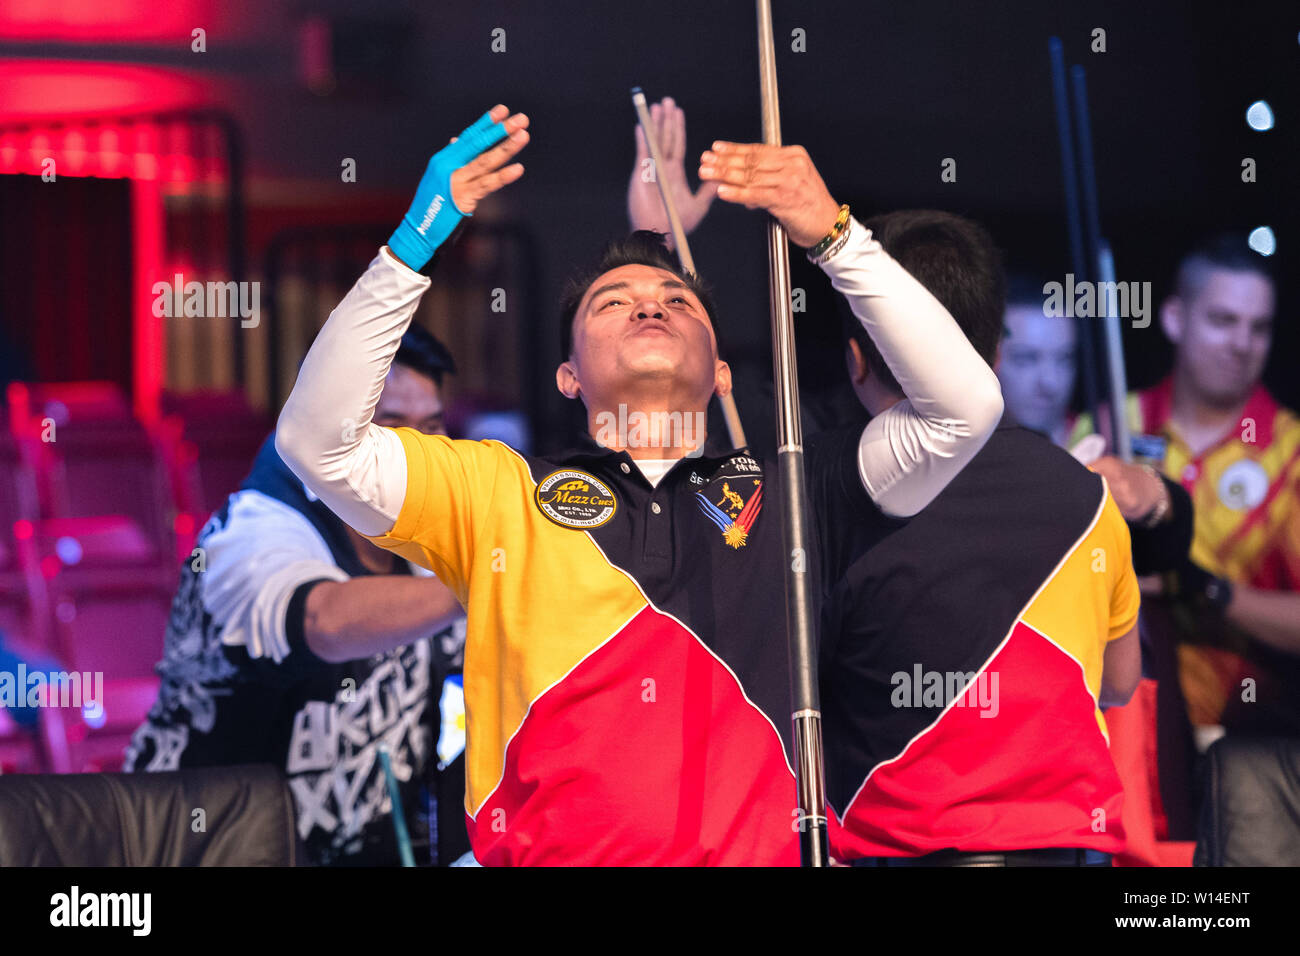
(835, 248)
(841, 221)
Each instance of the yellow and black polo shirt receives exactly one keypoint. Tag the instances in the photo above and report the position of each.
(626, 671)
(962, 652)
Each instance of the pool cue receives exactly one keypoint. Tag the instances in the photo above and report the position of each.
(1099, 252)
(1074, 228)
(399, 819)
(810, 776)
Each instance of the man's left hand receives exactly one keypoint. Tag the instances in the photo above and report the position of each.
(779, 179)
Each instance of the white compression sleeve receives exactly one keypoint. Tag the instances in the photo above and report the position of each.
(325, 433)
(910, 452)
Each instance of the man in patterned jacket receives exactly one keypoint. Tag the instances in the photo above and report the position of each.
(296, 642)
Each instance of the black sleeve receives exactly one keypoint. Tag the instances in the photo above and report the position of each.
(1165, 546)
(295, 618)
(301, 659)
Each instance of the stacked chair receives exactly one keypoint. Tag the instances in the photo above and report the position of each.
(96, 511)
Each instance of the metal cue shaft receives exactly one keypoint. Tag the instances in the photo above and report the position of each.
(1074, 225)
(1115, 358)
(730, 414)
(806, 717)
(1099, 252)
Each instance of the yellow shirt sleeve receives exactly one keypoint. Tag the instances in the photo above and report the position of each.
(1125, 598)
(449, 489)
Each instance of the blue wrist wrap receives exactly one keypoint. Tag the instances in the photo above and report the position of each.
(433, 215)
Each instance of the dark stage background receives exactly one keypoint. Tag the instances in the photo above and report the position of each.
(882, 95)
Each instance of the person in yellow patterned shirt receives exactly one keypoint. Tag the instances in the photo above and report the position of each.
(1212, 426)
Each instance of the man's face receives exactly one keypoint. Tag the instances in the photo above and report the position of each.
(410, 400)
(1037, 367)
(640, 325)
(1222, 334)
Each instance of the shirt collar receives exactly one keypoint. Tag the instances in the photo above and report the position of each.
(716, 447)
(1157, 405)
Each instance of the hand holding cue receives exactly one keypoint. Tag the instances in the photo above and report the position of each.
(730, 413)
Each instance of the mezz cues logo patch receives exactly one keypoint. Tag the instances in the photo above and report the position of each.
(575, 499)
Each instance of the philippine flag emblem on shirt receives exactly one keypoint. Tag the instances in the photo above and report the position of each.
(732, 513)
(451, 735)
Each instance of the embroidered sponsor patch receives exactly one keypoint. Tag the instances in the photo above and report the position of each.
(732, 511)
(575, 499)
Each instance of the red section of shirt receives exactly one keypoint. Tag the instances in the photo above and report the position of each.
(647, 753)
(1037, 773)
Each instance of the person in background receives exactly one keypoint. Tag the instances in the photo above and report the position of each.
(12, 657)
(1037, 365)
(968, 649)
(1037, 361)
(904, 577)
(295, 641)
(1218, 433)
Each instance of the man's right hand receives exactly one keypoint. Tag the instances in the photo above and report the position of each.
(779, 179)
(471, 166)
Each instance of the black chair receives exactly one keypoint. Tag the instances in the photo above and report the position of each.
(213, 816)
(1251, 812)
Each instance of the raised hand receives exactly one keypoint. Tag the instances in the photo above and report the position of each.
(645, 206)
(459, 175)
(488, 173)
(779, 179)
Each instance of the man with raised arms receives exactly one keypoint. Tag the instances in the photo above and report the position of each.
(626, 675)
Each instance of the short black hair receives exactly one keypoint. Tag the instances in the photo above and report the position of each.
(957, 261)
(1226, 250)
(641, 248)
(1025, 289)
(421, 352)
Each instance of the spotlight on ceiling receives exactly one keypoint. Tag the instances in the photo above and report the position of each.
(1259, 116)
(1262, 240)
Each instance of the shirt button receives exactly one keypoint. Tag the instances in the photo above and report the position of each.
(655, 507)
(626, 469)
